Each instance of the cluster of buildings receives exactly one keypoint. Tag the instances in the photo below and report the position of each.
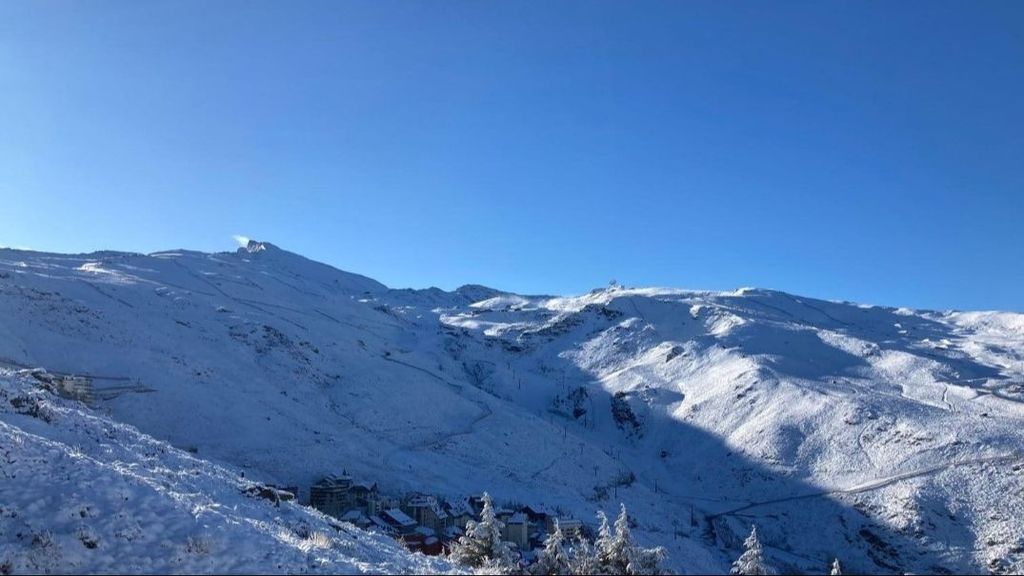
(426, 523)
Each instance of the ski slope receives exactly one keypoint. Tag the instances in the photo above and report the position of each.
(887, 437)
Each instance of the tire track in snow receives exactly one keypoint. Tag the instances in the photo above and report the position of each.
(818, 310)
(104, 293)
(237, 300)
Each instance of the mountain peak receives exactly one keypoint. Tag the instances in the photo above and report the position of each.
(255, 246)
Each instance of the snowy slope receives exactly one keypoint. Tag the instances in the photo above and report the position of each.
(888, 437)
(81, 493)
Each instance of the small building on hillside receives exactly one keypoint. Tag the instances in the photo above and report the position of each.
(426, 541)
(537, 530)
(516, 530)
(358, 518)
(332, 495)
(378, 524)
(535, 515)
(427, 511)
(571, 527)
(459, 513)
(337, 495)
(452, 533)
(476, 503)
(366, 497)
(402, 524)
(67, 386)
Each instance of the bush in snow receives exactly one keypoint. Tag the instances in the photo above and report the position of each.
(315, 541)
(35, 406)
(87, 537)
(197, 545)
(45, 554)
(482, 546)
(751, 562)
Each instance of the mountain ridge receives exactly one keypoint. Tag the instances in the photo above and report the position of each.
(717, 408)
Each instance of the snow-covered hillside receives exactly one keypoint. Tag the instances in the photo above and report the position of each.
(83, 494)
(890, 438)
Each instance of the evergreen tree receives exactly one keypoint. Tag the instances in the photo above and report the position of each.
(612, 553)
(602, 546)
(836, 570)
(553, 559)
(751, 562)
(616, 553)
(583, 560)
(482, 546)
(646, 561)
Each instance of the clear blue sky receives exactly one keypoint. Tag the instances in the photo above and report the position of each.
(870, 151)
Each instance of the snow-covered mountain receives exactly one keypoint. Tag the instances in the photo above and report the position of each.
(890, 438)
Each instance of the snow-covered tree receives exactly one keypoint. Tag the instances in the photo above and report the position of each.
(614, 551)
(482, 546)
(836, 570)
(751, 562)
(617, 553)
(583, 559)
(553, 559)
(646, 561)
(604, 531)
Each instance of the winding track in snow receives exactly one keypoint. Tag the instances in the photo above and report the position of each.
(878, 483)
(438, 442)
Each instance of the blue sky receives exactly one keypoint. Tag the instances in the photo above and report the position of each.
(869, 151)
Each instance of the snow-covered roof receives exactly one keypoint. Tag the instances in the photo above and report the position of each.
(427, 501)
(399, 517)
(334, 480)
(460, 508)
(517, 518)
(365, 485)
(569, 522)
(379, 523)
(353, 516)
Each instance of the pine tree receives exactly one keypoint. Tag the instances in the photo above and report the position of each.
(602, 546)
(751, 562)
(614, 554)
(482, 546)
(646, 561)
(583, 560)
(836, 570)
(553, 559)
(618, 554)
